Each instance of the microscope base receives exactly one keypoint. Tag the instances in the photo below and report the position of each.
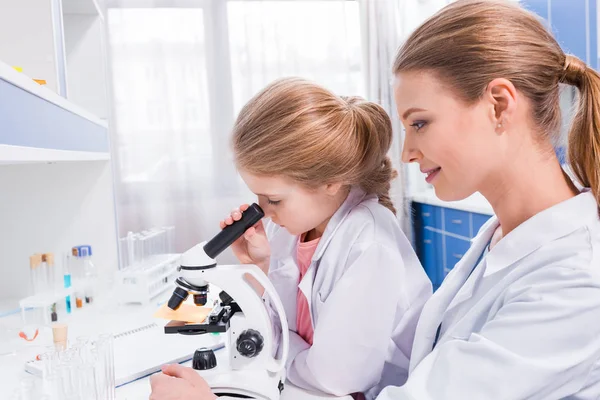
(247, 383)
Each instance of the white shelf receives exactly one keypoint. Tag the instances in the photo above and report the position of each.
(475, 203)
(21, 80)
(37, 125)
(55, 170)
(29, 155)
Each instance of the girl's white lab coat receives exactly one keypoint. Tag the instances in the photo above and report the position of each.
(528, 327)
(365, 289)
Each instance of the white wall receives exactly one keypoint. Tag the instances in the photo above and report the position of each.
(50, 208)
(26, 38)
(86, 79)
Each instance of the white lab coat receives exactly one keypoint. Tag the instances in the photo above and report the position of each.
(366, 289)
(529, 328)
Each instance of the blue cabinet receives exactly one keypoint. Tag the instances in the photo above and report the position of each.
(431, 255)
(430, 215)
(477, 222)
(539, 7)
(442, 237)
(573, 23)
(457, 222)
(455, 250)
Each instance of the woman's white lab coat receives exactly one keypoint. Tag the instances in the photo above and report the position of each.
(366, 289)
(528, 328)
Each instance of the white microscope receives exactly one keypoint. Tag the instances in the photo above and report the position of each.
(249, 369)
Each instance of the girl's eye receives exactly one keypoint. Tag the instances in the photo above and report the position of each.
(418, 125)
(274, 202)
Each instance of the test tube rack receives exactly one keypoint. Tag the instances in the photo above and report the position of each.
(36, 309)
(148, 265)
(143, 282)
(140, 247)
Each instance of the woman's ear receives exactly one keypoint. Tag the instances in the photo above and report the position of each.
(502, 97)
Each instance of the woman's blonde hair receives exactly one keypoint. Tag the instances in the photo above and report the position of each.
(471, 42)
(300, 130)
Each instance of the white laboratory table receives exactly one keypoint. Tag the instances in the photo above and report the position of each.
(102, 318)
(140, 389)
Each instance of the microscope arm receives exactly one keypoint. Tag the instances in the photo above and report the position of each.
(231, 278)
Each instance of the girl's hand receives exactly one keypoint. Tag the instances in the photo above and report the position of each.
(252, 247)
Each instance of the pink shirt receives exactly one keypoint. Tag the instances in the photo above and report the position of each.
(303, 321)
(304, 256)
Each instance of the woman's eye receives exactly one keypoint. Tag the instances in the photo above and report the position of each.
(274, 202)
(418, 125)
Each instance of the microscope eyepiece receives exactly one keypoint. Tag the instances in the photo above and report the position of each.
(179, 295)
(231, 233)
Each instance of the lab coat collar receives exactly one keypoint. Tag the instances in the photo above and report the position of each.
(306, 287)
(464, 269)
(544, 227)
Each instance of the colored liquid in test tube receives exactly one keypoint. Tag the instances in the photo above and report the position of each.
(77, 272)
(90, 273)
(48, 260)
(67, 280)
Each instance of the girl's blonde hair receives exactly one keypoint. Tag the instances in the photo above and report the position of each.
(471, 42)
(300, 130)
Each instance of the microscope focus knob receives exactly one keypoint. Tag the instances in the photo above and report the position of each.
(204, 359)
(250, 343)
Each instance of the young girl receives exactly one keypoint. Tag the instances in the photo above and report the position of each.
(350, 283)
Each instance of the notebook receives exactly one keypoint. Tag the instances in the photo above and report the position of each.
(142, 351)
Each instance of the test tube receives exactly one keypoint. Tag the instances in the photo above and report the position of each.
(142, 243)
(105, 348)
(78, 273)
(47, 272)
(137, 256)
(51, 386)
(87, 383)
(90, 278)
(48, 262)
(130, 249)
(59, 336)
(99, 374)
(66, 382)
(49, 364)
(42, 273)
(163, 241)
(49, 361)
(27, 389)
(170, 239)
(34, 263)
(83, 371)
(84, 344)
(67, 280)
